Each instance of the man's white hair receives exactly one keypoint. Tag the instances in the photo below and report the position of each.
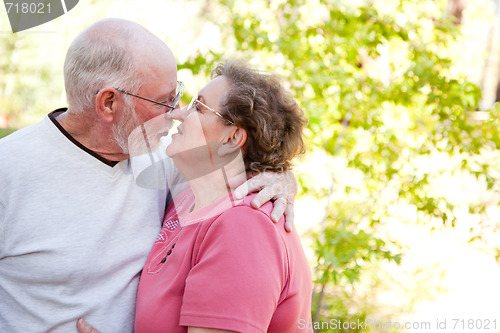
(127, 123)
(101, 56)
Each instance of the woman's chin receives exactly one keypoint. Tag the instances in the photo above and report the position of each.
(170, 151)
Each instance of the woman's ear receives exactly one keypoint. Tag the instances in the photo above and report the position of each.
(108, 104)
(234, 143)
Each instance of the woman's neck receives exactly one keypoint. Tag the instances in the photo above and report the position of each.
(213, 186)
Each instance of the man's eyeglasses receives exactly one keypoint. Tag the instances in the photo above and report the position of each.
(175, 101)
(195, 101)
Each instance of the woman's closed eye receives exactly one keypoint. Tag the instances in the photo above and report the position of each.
(197, 107)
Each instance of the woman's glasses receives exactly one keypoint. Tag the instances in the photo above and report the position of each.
(195, 101)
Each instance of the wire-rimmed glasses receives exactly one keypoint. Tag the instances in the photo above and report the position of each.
(195, 101)
(175, 101)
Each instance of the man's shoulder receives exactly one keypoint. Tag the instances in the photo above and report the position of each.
(24, 148)
(21, 137)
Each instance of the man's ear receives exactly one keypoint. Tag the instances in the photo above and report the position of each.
(108, 104)
(234, 143)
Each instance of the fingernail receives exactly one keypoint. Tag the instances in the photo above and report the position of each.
(238, 194)
(82, 323)
(256, 203)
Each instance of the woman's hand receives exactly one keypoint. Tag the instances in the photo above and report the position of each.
(279, 187)
(83, 327)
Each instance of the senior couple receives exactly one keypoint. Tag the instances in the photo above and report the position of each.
(76, 230)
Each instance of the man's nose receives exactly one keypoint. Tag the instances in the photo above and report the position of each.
(178, 113)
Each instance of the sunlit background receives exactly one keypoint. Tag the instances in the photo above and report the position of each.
(399, 201)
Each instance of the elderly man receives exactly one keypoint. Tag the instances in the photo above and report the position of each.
(75, 229)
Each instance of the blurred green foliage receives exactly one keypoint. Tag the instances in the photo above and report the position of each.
(27, 80)
(6, 131)
(378, 87)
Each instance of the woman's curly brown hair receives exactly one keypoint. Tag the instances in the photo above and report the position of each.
(257, 102)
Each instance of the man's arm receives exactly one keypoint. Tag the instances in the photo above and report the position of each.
(281, 188)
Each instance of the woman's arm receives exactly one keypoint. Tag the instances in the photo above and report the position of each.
(206, 330)
(83, 327)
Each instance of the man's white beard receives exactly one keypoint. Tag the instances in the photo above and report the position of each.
(122, 130)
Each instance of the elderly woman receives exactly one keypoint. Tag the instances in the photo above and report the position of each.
(218, 264)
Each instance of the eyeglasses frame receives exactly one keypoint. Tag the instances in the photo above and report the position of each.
(195, 100)
(178, 96)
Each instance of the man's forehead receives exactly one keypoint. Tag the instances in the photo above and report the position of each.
(172, 88)
(161, 79)
(159, 66)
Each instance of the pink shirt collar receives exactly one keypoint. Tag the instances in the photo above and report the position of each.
(185, 200)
